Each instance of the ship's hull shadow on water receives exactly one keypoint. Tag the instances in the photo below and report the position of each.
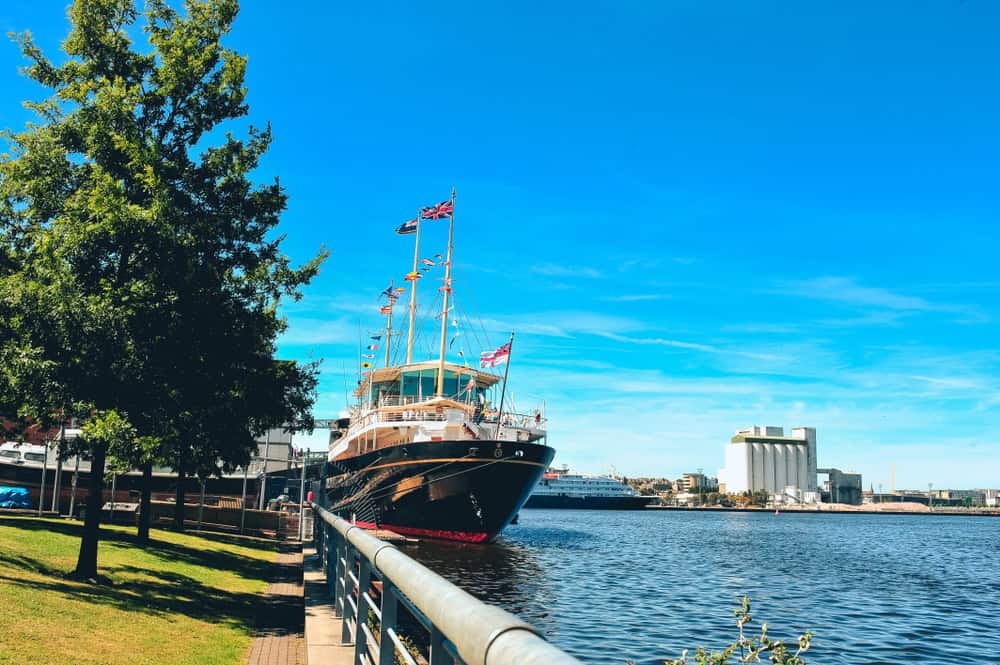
(452, 490)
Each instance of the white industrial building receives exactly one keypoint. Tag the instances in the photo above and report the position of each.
(763, 458)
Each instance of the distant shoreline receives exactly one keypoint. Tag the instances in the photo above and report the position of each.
(859, 510)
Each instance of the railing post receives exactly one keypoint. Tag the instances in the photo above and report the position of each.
(390, 602)
(438, 654)
(348, 610)
(332, 565)
(317, 535)
(340, 580)
(360, 636)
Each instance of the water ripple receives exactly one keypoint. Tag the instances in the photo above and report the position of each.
(875, 589)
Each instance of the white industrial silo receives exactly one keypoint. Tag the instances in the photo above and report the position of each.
(779, 467)
(768, 467)
(757, 473)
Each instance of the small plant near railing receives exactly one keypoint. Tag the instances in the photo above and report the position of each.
(409, 644)
(749, 648)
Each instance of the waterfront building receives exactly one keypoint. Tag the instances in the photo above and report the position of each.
(970, 497)
(274, 451)
(841, 487)
(763, 458)
(696, 482)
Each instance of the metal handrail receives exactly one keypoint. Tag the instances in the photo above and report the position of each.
(460, 626)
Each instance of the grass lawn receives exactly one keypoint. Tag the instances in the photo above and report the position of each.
(183, 599)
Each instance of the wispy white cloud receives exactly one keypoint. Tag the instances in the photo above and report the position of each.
(306, 331)
(766, 328)
(500, 325)
(638, 297)
(890, 306)
(694, 346)
(874, 318)
(676, 424)
(565, 270)
(562, 323)
(846, 290)
(640, 263)
(319, 304)
(950, 382)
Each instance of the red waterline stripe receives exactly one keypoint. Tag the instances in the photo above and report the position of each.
(463, 536)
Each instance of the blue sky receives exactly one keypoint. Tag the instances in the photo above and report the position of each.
(697, 215)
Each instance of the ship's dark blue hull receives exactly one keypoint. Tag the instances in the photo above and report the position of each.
(451, 490)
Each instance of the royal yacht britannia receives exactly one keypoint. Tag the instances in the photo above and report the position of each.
(422, 451)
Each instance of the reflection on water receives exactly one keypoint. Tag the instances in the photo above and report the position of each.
(644, 585)
(505, 570)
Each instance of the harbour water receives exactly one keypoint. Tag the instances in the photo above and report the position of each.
(610, 587)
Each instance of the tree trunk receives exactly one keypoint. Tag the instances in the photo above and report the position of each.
(146, 502)
(179, 497)
(86, 563)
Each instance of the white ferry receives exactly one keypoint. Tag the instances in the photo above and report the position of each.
(558, 488)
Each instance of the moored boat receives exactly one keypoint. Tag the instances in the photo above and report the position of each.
(421, 452)
(558, 488)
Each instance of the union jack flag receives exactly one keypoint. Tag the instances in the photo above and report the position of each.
(443, 209)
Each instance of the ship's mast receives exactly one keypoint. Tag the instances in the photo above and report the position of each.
(413, 294)
(388, 334)
(447, 292)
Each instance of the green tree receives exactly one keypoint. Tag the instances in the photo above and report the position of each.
(759, 498)
(139, 275)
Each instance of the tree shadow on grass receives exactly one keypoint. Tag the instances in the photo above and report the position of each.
(251, 542)
(27, 563)
(245, 566)
(65, 527)
(164, 593)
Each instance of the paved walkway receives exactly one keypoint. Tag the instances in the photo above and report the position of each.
(323, 629)
(280, 616)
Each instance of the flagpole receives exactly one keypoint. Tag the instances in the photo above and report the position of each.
(413, 294)
(388, 335)
(503, 391)
(447, 292)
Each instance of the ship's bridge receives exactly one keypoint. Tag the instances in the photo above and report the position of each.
(418, 381)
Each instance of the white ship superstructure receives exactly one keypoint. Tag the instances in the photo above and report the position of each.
(560, 489)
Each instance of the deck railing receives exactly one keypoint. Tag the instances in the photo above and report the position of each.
(373, 586)
(522, 421)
